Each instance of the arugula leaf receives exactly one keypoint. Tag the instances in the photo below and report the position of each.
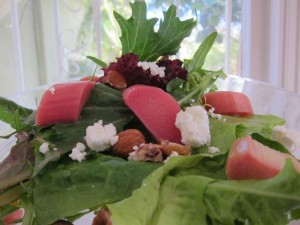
(97, 61)
(13, 114)
(197, 61)
(139, 37)
(199, 80)
(70, 187)
(197, 84)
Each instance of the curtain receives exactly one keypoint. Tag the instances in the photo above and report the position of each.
(270, 42)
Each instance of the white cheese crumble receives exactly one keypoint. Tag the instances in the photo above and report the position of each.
(44, 148)
(78, 153)
(154, 68)
(99, 137)
(193, 124)
(52, 90)
(213, 150)
(288, 138)
(214, 115)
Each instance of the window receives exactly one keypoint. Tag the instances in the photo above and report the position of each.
(47, 41)
(271, 42)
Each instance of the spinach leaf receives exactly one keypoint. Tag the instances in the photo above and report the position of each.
(104, 104)
(68, 187)
(139, 37)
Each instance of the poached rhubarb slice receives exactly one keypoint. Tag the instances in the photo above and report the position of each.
(228, 103)
(62, 103)
(249, 159)
(156, 109)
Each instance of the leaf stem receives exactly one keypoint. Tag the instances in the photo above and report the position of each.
(197, 90)
(10, 195)
(189, 96)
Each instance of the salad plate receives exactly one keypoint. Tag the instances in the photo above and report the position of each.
(177, 171)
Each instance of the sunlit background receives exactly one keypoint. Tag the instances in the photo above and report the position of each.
(47, 41)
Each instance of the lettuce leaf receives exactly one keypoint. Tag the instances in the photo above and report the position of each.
(169, 196)
(226, 130)
(139, 37)
(262, 124)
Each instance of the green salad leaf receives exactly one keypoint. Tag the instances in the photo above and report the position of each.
(68, 187)
(184, 190)
(254, 202)
(97, 61)
(104, 103)
(199, 80)
(226, 130)
(197, 61)
(139, 37)
(171, 197)
(13, 114)
(262, 124)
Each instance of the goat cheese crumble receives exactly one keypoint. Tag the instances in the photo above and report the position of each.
(78, 152)
(154, 68)
(44, 148)
(100, 137)
(213, 150)
(212, 114)
(193, 124)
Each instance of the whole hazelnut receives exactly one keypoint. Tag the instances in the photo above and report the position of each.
(128, 139)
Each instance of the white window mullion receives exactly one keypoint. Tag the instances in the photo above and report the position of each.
(291, 53)
(246, 59)
(228, 16)
(270, 42)
(59, 47)
(97, 23)
(276, 62)
(17, 46)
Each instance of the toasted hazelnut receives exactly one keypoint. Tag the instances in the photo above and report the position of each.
(148, 152)
(114, 79)
(102, 218)
(126, 141)
(169, 147)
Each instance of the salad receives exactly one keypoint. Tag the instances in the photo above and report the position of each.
(152, 141)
